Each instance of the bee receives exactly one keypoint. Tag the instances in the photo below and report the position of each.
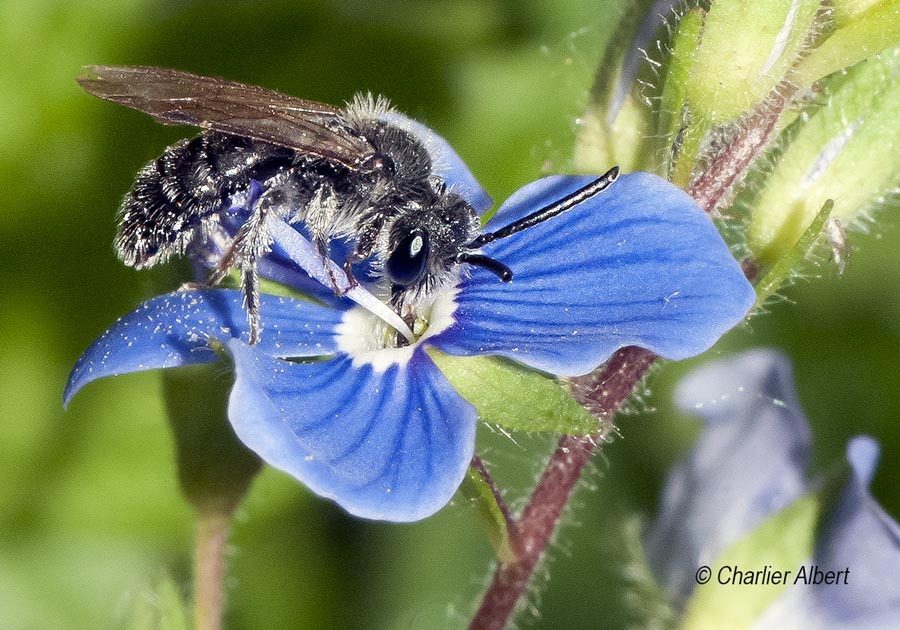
(358, 172)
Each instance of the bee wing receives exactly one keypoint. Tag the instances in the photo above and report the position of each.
(173, 97)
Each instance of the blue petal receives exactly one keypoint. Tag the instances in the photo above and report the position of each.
(275, 266)
(858, 536)
(639, 264)
(391, 445)
(720, 491)
(446, 162)
(280, 266)
(175, 329)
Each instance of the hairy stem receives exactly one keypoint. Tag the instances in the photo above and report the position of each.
(604, 393)
(711, 188)
(209, 569)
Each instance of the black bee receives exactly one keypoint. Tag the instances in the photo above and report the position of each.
(346, 172)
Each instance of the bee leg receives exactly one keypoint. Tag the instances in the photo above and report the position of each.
(250, 244)
(221, 271)
(225, 264)
(349, 273)
(365, 245)
(340, 291)
(250, 291)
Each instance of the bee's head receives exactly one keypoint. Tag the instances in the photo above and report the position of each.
(424, 242)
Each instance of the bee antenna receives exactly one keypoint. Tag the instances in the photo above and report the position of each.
(548, 212)
(494, 266)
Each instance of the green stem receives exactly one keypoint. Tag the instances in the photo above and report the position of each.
(211, 537)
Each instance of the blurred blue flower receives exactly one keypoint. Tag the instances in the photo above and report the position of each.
(748, 464)
(379, 429)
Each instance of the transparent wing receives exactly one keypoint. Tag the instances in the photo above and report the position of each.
(174, 97)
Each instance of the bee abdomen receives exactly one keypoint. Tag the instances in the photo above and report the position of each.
(178, 198)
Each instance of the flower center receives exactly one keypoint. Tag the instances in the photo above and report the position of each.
(367, 339)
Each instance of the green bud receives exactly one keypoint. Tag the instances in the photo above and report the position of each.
(745, 51)
(845, 11)
(214, 468)
(682, 136)
(621, 142)
(868, 33)
(845, 151)
(615, 126)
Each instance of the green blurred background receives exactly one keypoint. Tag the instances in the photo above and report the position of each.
(90, 513)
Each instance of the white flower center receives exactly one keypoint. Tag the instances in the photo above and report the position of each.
(367, 339)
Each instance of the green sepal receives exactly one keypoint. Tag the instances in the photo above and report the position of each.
(747, 48)
(514, 397)
(775, 277)
(162, 609)
(866, 35)
(214, 468)
(680, 130)
(845, 151)
(478, 492)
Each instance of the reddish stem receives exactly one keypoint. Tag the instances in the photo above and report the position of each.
(603, 393)
(728, 167)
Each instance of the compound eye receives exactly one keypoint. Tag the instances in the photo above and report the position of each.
(406, 264)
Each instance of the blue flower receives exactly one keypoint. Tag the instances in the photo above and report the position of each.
(748, 464)
(379, 429)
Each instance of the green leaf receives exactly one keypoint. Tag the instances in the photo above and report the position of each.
(782, 543)
(476, 490)
(747, 48)
(514, 397)
(866, 35)
(845, 151)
